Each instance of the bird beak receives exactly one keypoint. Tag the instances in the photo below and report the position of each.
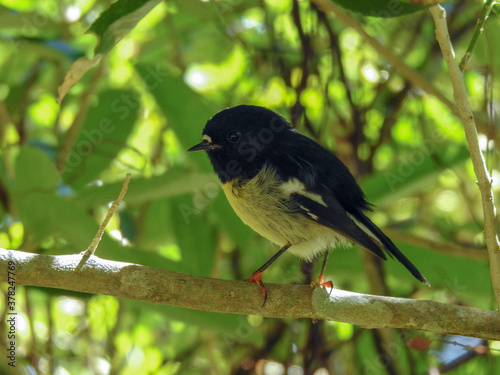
(203, 146)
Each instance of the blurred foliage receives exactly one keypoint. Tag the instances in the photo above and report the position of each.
(163, 73)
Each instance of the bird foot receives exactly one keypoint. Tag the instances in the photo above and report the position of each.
(257, 279)
(324, 284)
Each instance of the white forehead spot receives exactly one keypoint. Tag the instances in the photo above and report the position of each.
(206, 138)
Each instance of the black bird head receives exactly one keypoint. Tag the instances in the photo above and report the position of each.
(239, 139)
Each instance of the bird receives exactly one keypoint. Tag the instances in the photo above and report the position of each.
(290, 189)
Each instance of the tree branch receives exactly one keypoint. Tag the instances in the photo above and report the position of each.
(126, 280)
(466, 116)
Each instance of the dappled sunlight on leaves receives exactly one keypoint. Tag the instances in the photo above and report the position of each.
(79, 111)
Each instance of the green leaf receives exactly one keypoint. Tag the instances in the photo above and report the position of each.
(224, 217)
(117, 21)
(47, 215)
(451, 273)
(235, 328)
(186, 111)
(35, 171)
(380, 8)
(103, 135)
(19, 22)
(486, 46)
(195, 238)
(422, 166)
(141, 190)
(157, 226)
(75, 72)
(109, 28)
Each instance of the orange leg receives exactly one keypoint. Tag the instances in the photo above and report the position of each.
(257, 275)
(324, 284)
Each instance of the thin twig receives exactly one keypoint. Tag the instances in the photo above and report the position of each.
(477, 32)
(153, 285)
(465, 114)
(95, 242)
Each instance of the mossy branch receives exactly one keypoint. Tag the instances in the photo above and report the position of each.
(126, 280)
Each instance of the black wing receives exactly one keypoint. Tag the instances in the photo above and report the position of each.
(324, 174)
(336, 218)
(299, 157)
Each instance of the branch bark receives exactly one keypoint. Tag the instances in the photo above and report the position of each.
(126, 280)
(465, 114)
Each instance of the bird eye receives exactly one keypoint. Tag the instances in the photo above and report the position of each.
(233, 136)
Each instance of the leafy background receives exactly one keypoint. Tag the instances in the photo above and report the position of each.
(152, 73)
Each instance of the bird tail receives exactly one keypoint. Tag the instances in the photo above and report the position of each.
(376, 234)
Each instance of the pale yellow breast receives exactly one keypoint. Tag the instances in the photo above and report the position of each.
(263, 204)
(259, 210)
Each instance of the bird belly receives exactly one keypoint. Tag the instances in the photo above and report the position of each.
(265, 209)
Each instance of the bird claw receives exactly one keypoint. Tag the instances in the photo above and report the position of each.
(323, 284)
(257, 279)
(326, 284)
